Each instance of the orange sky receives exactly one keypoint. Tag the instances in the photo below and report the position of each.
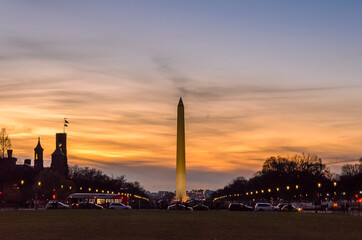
(132, 130)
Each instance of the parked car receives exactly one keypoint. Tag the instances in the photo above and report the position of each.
(178, 206)
(118, 206)
(264, 207)
(56, 205)
(308, 206)
(280, 206)
(239, 207)
(290, 208)
(89, 205)
(200, 208)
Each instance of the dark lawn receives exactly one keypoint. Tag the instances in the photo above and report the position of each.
(162, 224)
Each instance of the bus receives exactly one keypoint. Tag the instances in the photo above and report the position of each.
(102, 199)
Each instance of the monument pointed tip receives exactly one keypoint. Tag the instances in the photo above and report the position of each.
(180, 102)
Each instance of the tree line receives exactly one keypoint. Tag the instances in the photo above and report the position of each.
(300, 177)
(49, 184)
(86, 180)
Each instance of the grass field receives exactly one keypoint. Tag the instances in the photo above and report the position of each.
(162, 224)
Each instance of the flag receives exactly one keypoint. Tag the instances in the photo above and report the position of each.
(65, 125)
(65, 120)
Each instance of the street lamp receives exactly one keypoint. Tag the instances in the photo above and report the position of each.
(288, 187)
(22, 182)
(39, 184)
(335, 184)
(277, 189)
(296, 186)
(319, 185)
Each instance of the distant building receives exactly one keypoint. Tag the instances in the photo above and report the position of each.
(161, 194)
(199, 194)
(196, 194)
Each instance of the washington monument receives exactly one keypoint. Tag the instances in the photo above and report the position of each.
(180, 158)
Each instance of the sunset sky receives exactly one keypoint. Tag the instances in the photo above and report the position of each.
(258, 78)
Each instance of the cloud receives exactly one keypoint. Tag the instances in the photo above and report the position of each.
(21, 48)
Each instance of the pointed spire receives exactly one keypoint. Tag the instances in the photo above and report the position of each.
(180, 103)
(38, 147)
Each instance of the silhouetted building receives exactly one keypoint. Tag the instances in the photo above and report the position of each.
(61, 142)
(59, 162)
(8, 162)
(38, 157)
(12, 173)
(59, 156)
(27, 162)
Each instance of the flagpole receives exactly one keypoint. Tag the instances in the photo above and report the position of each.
(65, 123)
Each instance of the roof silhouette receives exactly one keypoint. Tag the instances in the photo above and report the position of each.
(58, 152)
(38, 147)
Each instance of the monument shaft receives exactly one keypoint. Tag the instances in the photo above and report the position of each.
(180, 158)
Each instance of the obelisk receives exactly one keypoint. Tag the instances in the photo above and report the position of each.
(180, 157)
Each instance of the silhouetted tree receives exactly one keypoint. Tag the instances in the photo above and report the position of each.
(90, 178)
(5, 142)
(49, 183)
(351, 169)
(296, 177)
(351, 179)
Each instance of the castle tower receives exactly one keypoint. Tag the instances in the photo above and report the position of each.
(38, 157)
(59, 156)
(61, 141)
(180, 156)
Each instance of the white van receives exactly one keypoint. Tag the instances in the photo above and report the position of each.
(264, 207)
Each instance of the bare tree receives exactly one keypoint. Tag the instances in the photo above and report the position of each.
(5, 142)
